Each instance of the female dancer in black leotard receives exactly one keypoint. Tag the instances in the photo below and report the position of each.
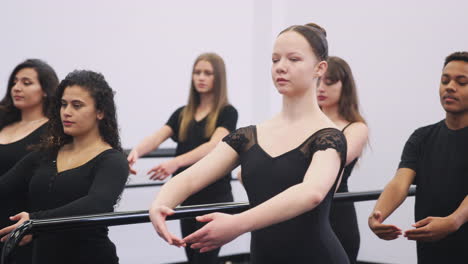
(79, 168)
(24, 112)
(290, 168)
(337, 97)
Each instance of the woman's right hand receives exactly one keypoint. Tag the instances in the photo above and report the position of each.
(158, 214)
(132, 158)
(386, 232)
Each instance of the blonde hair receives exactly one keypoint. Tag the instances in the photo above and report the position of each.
(187, 115)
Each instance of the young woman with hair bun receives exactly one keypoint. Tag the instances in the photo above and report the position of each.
(291, 167)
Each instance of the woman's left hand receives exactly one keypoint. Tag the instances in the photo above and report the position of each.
(220, 229)
(161, 171)
(21, 218)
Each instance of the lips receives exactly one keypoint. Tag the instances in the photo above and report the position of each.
(449, 98)
(67, 123)
(281, 80)
(16, 97)
(321, 98)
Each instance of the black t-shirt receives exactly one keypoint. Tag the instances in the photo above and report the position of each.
(439, 156)
(218, 191)
(91, 188)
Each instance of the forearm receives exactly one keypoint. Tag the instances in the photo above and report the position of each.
(153, 141)
(461, 214)
(391, 198)
(148, 144)
(288, 204)
(195, 155)
(173, 192)
(208, 170)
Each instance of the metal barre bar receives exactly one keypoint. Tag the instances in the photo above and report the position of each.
(136, 217)
(158, 153)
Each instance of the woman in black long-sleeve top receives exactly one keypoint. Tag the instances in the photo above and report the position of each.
(24, 112)
(78, 169)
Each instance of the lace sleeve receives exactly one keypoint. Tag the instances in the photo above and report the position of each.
(330, 138)
(240, 139)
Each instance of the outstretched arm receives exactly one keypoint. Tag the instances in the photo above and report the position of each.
(148, 144)
(161, 171)
(393, 195)
(296, 200)
(208, 170)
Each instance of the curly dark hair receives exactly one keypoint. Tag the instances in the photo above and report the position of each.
(103, 96)
(48, 80)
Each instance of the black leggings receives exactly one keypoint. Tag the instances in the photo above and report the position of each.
(344, 223)
(188, 226)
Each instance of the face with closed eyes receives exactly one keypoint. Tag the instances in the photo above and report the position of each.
(453, 88)
(26, 91)
(329, 92)
(295, 67)
(203, 76)
(78, 112)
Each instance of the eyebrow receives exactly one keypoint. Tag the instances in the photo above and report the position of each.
(74, 101)
(22, 78)
(288, 54)
(456, 76)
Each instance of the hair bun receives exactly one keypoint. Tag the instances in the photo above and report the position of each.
(321, 29)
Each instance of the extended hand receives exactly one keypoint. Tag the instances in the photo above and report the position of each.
(21, 218)
(221, 229)
(132, 158)
(158, 216)
(432, 229)
(387, 232)
(161, 171)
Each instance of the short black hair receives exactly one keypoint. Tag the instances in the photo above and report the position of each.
(457, 56)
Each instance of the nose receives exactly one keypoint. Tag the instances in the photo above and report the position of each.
(66, 111)
(451, 86)
(280, 66)
(16, 87)
(320, 87)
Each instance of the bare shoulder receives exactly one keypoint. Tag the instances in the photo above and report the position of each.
(357, 128)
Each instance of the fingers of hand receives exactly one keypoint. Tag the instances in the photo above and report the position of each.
(206, 249)
(385, 228)
(423, 222)
(8, 229)
(206, 218)
(26, 240)
(197, 236)
(157, 173)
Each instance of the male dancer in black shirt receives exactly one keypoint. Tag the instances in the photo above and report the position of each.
(435, 159)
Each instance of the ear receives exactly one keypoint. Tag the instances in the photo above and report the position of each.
(320, 69)
(100, 115)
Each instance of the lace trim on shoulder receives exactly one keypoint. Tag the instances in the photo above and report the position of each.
(237, 140)
(325, 139)
(330, 138)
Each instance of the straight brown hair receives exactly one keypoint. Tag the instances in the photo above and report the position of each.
(348, 105)
(220, 97)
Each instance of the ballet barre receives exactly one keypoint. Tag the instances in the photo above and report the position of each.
(136, 217)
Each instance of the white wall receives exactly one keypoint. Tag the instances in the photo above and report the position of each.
(146, 50)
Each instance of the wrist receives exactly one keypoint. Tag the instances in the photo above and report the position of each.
(243, 223)
(456, 221)
(177, 161)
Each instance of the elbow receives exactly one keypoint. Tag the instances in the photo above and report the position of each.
(313, 199)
